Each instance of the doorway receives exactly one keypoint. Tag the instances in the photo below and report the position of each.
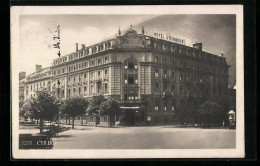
(130, 117)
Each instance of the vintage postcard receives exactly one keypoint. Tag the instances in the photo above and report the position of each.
(93, 82)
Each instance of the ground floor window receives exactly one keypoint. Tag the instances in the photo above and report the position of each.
(105, 119)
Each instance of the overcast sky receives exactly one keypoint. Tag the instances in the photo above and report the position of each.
(36, 32)
(217, 32)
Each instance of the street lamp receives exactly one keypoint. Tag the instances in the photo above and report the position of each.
(232, 118)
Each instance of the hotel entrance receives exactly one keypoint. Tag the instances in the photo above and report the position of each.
(129, 114)
(129, 117)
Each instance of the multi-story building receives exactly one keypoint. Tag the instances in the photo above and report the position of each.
(21, 85)
(150, 77)
(41, 78)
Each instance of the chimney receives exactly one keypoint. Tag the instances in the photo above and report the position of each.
(77, 47)
(82, 46)
(22, 75)
(198, 46)
(38, 68)
(222, 54)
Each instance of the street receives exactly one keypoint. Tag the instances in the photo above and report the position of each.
(155, 137)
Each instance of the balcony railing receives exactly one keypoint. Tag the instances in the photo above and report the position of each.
(131, 101)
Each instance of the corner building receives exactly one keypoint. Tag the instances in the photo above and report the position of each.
(150, 77)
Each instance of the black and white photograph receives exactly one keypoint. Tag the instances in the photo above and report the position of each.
(127, 82)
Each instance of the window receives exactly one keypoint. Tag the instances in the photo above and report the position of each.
(92, 63)
(157, 86)
(165, 86)
(79, 90)
(156, 72)
(54, 72)
(194, 91)
(106, 59)
(105, 73)
(92, 89)
(165, 73)
(106, 90)
(74, 79)
(62, 93)
(74, 91)
(63, 70)
(173, 87)
(79, 78)
(156, 105)
(200, 79)
(85, 77)
(99, 74)
(105, 119)
(99, 88)
(181, 76)
(130, 79)
(188, 91)
(85, 90)
(99, 61)
(181, 90)
(188, 77)
(130, 65)
(173, 75)
(156, 59)
(79, 66)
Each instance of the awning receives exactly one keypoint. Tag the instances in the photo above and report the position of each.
(133, 108)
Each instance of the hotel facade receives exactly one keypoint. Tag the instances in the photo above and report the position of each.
(148, 75)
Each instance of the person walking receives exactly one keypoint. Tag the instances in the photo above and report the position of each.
(185, 124)
(223, 124)
(196, 125)
(202, 125)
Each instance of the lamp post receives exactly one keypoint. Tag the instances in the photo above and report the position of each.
(232, 118)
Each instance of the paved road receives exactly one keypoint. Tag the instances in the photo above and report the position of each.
(162, 137)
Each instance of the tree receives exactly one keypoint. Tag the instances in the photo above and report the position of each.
(111, 108)
(25, 110)
(45, 107)
(94, 104)
(75, 106)
(208, 110)
(188, 109)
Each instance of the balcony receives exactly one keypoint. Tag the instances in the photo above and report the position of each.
(131, 101)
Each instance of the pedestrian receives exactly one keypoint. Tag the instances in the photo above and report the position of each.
(185, 124)
(196, 125)
(224, 125)
(202, 125)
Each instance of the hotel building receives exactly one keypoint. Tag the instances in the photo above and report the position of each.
(148, 75)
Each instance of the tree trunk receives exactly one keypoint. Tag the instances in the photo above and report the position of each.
(111, 120)
(73, 122)
(81, 120)
(41, 125)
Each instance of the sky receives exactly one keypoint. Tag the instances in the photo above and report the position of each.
(216, 32)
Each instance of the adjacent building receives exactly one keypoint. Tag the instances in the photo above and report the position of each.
(22, 76)
(149, 76)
